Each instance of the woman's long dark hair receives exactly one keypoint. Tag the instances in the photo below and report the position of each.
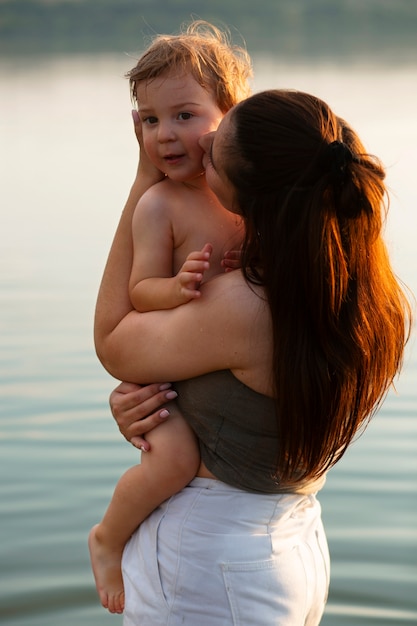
(313, 203)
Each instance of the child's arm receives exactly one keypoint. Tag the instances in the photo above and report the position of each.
(152, 285)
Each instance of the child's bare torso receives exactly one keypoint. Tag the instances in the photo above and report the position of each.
(198, 218)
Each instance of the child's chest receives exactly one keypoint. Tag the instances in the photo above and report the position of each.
(222, 229)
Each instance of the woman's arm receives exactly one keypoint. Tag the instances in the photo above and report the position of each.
(226, 328)
(113, 299)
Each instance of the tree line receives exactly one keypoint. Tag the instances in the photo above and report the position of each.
(299, 28)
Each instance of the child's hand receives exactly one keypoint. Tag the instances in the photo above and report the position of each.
(191, 274)
(231, 260)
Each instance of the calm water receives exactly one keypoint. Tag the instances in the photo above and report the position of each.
(67, 158)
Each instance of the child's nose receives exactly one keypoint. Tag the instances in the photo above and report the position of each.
(165, 132)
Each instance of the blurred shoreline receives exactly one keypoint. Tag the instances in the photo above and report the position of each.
(294, 29)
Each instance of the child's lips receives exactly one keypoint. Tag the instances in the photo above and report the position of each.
(173, 158)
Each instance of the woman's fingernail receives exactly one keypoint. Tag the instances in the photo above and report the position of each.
(164, 386)
(143, 449)
(164, 414)
(171, 395)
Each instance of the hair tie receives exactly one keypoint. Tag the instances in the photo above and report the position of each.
(339, 157)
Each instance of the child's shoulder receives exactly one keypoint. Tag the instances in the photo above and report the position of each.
(164, 196)
(156, 198)
(166, 188)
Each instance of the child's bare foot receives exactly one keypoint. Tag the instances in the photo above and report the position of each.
(106, 564)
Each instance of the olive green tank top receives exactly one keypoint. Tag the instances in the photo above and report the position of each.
(237, 432)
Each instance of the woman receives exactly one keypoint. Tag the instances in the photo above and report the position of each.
(278, 365)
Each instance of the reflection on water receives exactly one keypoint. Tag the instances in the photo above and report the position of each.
(67, 160)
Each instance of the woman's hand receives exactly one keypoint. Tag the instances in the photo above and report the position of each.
(146, 169)
(137, 409)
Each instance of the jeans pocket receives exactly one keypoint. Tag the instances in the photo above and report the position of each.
(267, 592)
(140, 566)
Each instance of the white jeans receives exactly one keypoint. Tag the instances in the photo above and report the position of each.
(213, 555)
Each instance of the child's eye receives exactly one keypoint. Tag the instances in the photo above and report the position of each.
(150, 120)
(184, 116)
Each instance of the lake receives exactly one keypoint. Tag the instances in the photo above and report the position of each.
(68, 156)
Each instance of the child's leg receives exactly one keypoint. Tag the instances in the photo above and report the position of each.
(170, 465)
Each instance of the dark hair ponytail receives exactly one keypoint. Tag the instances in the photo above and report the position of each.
(313, 203)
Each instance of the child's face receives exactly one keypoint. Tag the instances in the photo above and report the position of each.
(175, 112)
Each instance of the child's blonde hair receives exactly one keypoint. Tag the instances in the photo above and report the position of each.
(204, 51)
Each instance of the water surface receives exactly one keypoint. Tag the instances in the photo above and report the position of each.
(67, 159)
